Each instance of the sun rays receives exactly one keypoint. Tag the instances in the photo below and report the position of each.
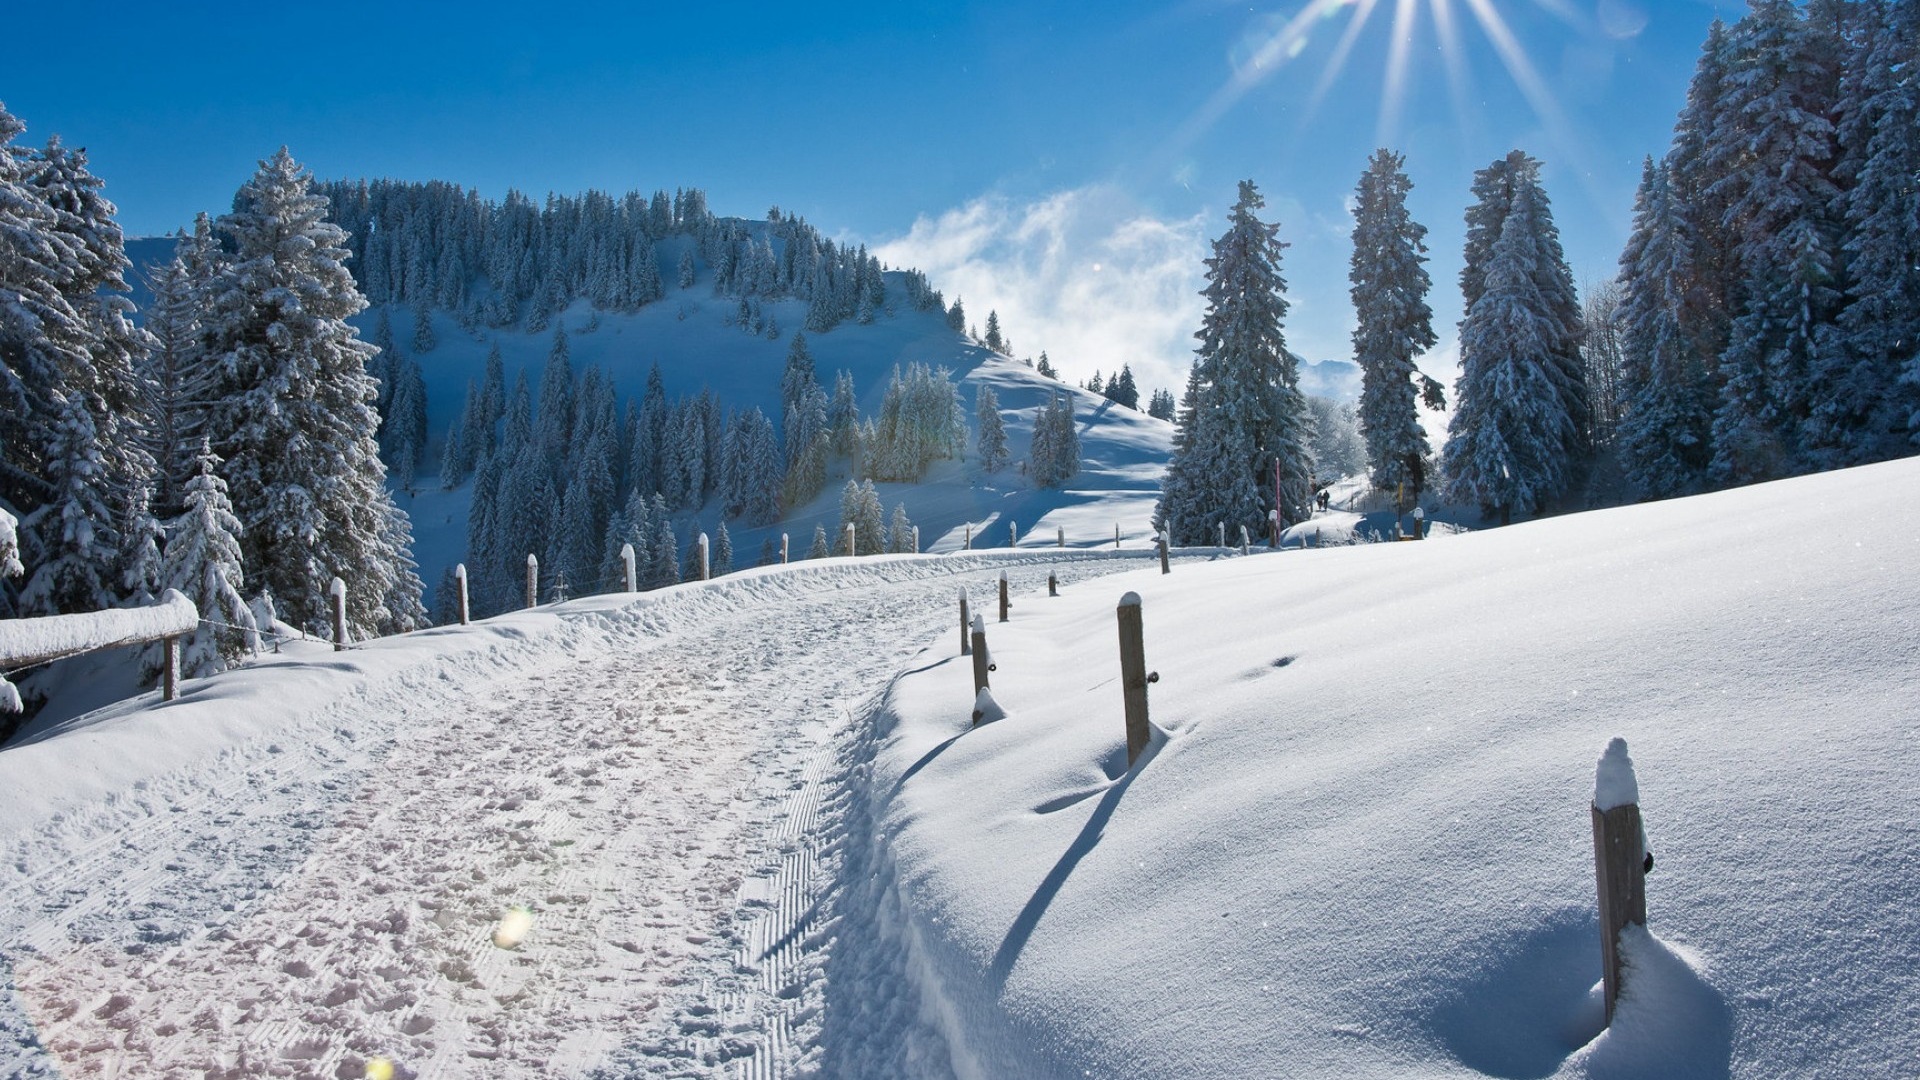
(1334, 34)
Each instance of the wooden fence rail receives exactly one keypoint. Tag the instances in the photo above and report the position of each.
(27, 643)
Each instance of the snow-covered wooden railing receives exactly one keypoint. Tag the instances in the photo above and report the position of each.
(26, 643)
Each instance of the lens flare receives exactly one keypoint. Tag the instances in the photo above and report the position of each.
(513, 927)
(379, 1069)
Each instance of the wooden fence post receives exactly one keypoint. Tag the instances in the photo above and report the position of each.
(967, 543)
(701, 566)
(629, 573)
(849, 534)
(1134, 676)
(1013, 533)
(1059, 536)
(1244, 545)
(1620, 860)
(1273, 537)
(981, 665)
(783, 549)
(1053, 584)
(1223, 533)
(170, 669)
(966, 624)
(533, 579)
(460, 583)
(339, 592)
(916, 539)
(1161, 541)
(1116, 536)
(1419, 523)
(1003, 596)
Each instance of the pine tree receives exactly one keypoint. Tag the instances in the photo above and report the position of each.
(994, 341)
(803, 405)
(1161, 405)
(1122, 390)
(819, 549)
(292, 416)
(1252, 413)
(1774, 161)
(1665, 394)
(722, 562)
(900, 532)
(991, 441)
(1045, 367)
(203, 561)
(957, 317)
(1054, 457)
(1507, 444)
(843, 416)
(663, 548)
(553, 427)
(1394, 324)
(1869, 411)
(177, 378)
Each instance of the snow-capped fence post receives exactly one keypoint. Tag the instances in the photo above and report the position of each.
(784, 540)
(1059, 536)
(533, 579)
(1245, 547)
(1223, 533)
(1053, 584)
(1419, 523)
(460, 593)
(981, 665)
(629, 574)
(1004, 605)
(966, 544)
(1134, 676)
(338, 590)
(1013, 533)
(1116, 536)
(916, 539)
(849, 532)
(170, 668)
(1273, 535)
(701, 566)
(1161, 542)
(1620, 859)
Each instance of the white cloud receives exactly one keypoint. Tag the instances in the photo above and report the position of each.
(1085, 275)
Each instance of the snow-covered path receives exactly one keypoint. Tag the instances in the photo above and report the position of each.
(656, 802)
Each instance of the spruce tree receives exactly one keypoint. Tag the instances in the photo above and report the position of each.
(1393, 325)
(991, 440)
(1507, 444)
(900, 532)
(292, 415)
(203, 561)
(1666, 398)
(818, 549)
(1252, 413)
(994, 341)
(722, 561)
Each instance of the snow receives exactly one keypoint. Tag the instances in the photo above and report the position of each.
(756, 833)
(1613, 781)
(25, 641)
(985, 709)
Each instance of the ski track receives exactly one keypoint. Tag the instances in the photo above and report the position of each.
(684, 820)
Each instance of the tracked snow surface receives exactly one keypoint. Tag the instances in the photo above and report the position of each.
(754, 832)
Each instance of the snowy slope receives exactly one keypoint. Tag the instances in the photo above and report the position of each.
(1124, 451)
(758, 838)
(1361, 843)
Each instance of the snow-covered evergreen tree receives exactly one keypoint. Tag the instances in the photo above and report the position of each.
(663, 548)
(1507, 447)
(722, 561)
(1122, 390)
(843, 416)
(1160, 405)
(1393, 325)
(991, 440)
(818, 549)
(553, 424)
(1045, 366)
(900, 531)
(1338, 448)
(994, 340)
(1665, 405)
(292, 415)
(1871, 409)
(860, 506)
(1054, 456)
(203, 561)
(1774, 177)
(1251, 413)
(920, 421)
(177, 381)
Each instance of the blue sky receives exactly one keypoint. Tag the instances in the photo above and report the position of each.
(1063, 163)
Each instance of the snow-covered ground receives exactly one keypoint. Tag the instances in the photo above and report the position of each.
(758, 836)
